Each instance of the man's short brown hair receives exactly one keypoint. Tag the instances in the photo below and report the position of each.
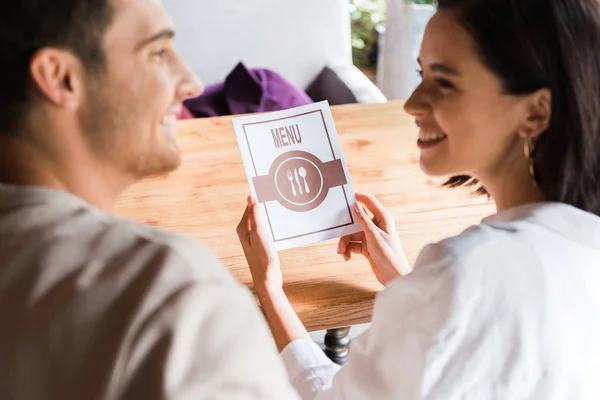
(26, 26)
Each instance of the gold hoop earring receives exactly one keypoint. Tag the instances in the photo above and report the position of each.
(528, 150)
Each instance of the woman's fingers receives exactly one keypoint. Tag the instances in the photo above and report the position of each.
(251, 220)
(256, 222)
(363, 219)
(380, 214)
(354, 248)
(244, 226)
(345, 241)
(253, 214)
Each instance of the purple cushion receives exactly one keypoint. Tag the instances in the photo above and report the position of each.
(328, 86)
(211, 103)
(248, 91)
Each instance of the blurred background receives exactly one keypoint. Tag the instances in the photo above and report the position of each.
(268, 55)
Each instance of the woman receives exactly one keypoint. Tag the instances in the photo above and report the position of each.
(509, 309)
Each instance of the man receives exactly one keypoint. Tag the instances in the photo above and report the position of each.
(93, 306)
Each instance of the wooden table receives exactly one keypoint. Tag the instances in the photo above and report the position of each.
(205, 198)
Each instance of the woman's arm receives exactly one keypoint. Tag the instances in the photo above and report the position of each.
(310, 370)
(378, 243)
(285, 325)
(268, 282)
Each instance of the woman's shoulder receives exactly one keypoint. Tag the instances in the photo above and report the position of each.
(458, 268)
(514, 238)
(472, 244)
(526, 223)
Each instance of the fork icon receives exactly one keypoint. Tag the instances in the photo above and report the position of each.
(291, 179)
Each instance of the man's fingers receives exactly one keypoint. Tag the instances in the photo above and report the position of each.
(380, 214)
(345, 240)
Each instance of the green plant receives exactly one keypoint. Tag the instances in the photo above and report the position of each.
(368, 19)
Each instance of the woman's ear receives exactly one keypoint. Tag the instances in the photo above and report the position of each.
(538, 113)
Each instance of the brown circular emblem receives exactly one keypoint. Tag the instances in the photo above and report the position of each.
(299, 181)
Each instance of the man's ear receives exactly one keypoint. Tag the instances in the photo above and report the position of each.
(58, 75)
(538, 111)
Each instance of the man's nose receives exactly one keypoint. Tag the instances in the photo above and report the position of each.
(191, 86)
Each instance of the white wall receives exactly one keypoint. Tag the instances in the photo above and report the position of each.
(297, 38)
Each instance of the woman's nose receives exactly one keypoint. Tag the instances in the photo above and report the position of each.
(416, 105)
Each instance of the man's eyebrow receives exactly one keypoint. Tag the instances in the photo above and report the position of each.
(164, 34)
(439, 67)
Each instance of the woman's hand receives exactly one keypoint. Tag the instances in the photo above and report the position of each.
(263, 261)
(379, 242)
(259, 249)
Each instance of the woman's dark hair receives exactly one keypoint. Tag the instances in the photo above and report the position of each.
(554, 44)
(27, 26)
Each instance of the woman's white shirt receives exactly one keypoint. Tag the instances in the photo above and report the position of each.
(509, 309)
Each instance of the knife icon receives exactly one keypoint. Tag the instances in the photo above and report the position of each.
(297, 180)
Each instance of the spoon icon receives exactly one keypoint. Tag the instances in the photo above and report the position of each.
(302, 172)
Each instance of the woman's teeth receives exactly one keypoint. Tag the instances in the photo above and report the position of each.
(430, 136)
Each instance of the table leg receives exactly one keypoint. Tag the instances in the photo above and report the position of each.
(337, 343)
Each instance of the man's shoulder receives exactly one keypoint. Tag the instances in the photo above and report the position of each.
(63, 234)
(182, 252)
